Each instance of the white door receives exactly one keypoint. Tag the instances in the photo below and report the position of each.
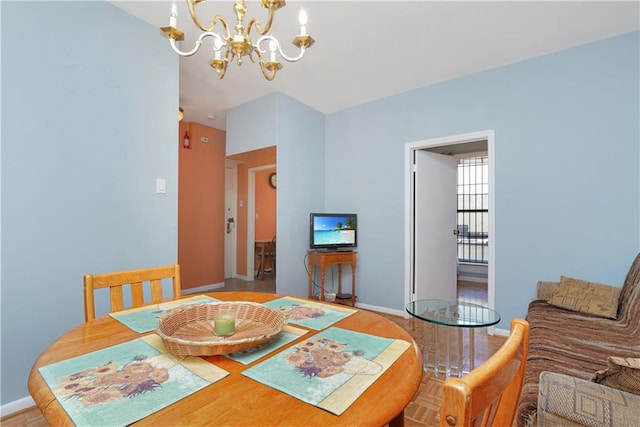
(435, 206)
(230, 236)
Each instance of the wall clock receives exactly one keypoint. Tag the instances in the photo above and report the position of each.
(273, 180)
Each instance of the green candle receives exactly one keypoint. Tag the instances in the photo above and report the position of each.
(224, 324)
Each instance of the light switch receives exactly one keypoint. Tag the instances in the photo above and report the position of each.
(161, 186)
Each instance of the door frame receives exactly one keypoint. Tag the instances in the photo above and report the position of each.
(231, 239)
(410, 147)
(251, 218)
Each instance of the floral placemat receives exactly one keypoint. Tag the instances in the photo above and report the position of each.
(287, 335)
(145, 319)
(119, 385)
(313, 315)
(331, 369)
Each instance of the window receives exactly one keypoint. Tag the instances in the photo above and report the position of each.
(473, 212)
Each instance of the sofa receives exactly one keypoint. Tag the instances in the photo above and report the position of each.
(576, 351)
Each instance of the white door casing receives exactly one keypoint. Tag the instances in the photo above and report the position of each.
(409, 193)
(231, 218)
(251, 218)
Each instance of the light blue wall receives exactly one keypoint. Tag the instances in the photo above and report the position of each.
(365, 174)
(301, 137)
(252, 126)
(566, 168)
(298, 133)
(89, 102)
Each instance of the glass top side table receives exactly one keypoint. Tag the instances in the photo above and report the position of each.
(451, 314)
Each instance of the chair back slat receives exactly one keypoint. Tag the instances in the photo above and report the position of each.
(117, 298)
(156, 290)
(489, 394)
(137, 294)
(135, 280)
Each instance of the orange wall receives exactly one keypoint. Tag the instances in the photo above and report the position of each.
(265, 226)
(201, 206)
(252, 159)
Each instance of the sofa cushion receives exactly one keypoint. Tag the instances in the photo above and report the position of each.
(587, 297)
(564, 400)
(622, 374)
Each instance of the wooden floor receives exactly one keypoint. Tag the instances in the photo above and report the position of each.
(423, 411)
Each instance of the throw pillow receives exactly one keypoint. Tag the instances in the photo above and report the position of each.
(546, 289)
(622, 374)
(587, 297)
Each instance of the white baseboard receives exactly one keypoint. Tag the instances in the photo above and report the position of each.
(501, 332)
(383, 310)
(16, 406)
(201, 289)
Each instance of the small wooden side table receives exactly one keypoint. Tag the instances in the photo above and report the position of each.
(325, 259)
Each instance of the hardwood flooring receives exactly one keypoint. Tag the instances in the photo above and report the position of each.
(423, 411)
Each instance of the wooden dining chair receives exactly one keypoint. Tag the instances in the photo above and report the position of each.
(489, 394)
(133, 279)
(270, 255)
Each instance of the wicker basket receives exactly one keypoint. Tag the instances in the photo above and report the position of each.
(189, 330)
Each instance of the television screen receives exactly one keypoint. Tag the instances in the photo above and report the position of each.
(333, 231)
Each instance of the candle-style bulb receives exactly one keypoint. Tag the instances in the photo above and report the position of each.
(272, 47)
(217, 44)
(302, 18)
(174, 15)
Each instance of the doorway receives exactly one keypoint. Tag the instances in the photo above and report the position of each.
(431, 224)
(247, 165)
(253, 212)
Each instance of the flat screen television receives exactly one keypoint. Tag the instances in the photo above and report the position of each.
(333, 231)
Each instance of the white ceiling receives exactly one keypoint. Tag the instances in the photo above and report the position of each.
(366, 50)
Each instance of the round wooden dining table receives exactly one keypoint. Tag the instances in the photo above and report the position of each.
(238, 400)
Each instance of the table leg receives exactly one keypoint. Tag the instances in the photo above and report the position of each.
(425, 347)
(472, 349)
(310, 280)
(398, 421)
(460, 352)
(447, 362)
(353, 284)
(436, 365)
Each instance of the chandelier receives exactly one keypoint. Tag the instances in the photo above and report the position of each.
(228, 47)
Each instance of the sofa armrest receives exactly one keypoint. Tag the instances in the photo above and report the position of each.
(545, 290)
(568, 401)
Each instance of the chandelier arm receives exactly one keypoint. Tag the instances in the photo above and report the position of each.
(222, 71)
(197, 45)
(194, 17)
(262, 31)
(266, 75)
(250, 55)
(172, 42)
(279, 48)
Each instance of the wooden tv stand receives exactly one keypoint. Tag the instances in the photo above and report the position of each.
(325, 259)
